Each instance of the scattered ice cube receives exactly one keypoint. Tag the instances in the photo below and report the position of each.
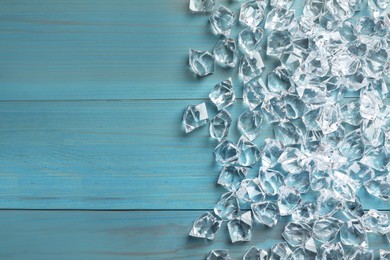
(226, 153)
(326, 229)
(359, 253)
(194, 117)
(280, 251)
(352, 233)
(249, 153)
(249, 124)
(225, 52)
(331, 251)
(219, 254)
(296, 233)
(279, 18)
(201, 62)
(254, 93)
(231, 177)
(252, 12)
(250, 192)
(281, 3)
(251, 67)
(376, 222)
(220, 124)
(202, 6)
(271, 152)
(240, 228)
(378, 7)
(270, 181)
(266, 213)
(223, 95)
(206, 226)
(288, 200)
(249, 40)
(255, 254)
(227, 207)
(222, 20)
(279, 42)
(305, 212)
(327, 203)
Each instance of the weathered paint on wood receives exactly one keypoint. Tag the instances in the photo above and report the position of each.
(50, 235)
(110, 155)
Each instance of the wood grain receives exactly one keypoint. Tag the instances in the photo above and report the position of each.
(110, 155)
(121, 235)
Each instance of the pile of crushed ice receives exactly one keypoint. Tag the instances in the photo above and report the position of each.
(325, 147)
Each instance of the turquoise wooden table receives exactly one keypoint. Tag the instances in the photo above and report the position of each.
(93, 162)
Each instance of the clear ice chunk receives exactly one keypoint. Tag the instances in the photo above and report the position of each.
(353, 209)
(249, 124)
(340, 10)
(372, 133)
(225, 52)
(327, 203)
(331, 251)
(231, 176)
(288, 200)
(250, 192)
(254, 93)
(223, 95)
(270, 181)
(376, 222)
(374, 62)
(278, 81)
(344, 64)
(280, 251)
(201, 62)
(252, 12)
(344, 186)
(219, 254)
(227, 207)
(292, 160)
(305, 212)
(279, 42)
(358, 253)
(220, 125)
(255, 254)
(266, 213)
(249, 40)
(202, 6)
(226, 153)
(352, 146)
(287, 132)
(384, 254)
(249, 153)
(350, 113)
(250, 67)
(281, 3)
(274, 109)
(271, 152)
(378, 7)
(376, 158)
(240, 228)
(329, 118)
(320, 179)
(379, 187)
(302, 254)
(297, 234)
(194, 117)
(222, 21)
(279, 18)
(326, 229)
(299, 180)
(352, 233)
(206, 226)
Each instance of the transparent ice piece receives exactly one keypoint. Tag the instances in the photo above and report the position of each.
(222, 94)
(344, 186)
(350, 113)
(352, 233)
(296, 233)
(305, 212)
(194, 117)
(202, 6)
(278, 81)
(225, 52)
(266, 213)
(302, 254)
(222, 20)
(358, 253)
(299, 180)
(292, 160)
(326, 229)
(249, 124)
(256, 254)
(252, 12)
(249, 153)
(279, 42)
(287, 132)
(206, 226)
(273, 109)
(271, 152)
(288, 200)
(240, 228)
(220, 124)
(219, 254)
(227, 207)
(251, 67)
(270, 181)
(280, 251)
(331, 251)
(377, 158)
(231, 177)
(279, 18)
(250, 192)
(249, 40)
(376, 222)
(329, 118)
(352, 146)
(201, 62)
(379, 187)
(378, 7)
(254, 93)
(226, 153)
(281, 3)
(320, 179)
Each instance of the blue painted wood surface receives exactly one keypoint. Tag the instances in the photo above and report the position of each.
(91, 96)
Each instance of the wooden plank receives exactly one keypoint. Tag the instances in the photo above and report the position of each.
(121, 235)
(109, 155)
(104, 49)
